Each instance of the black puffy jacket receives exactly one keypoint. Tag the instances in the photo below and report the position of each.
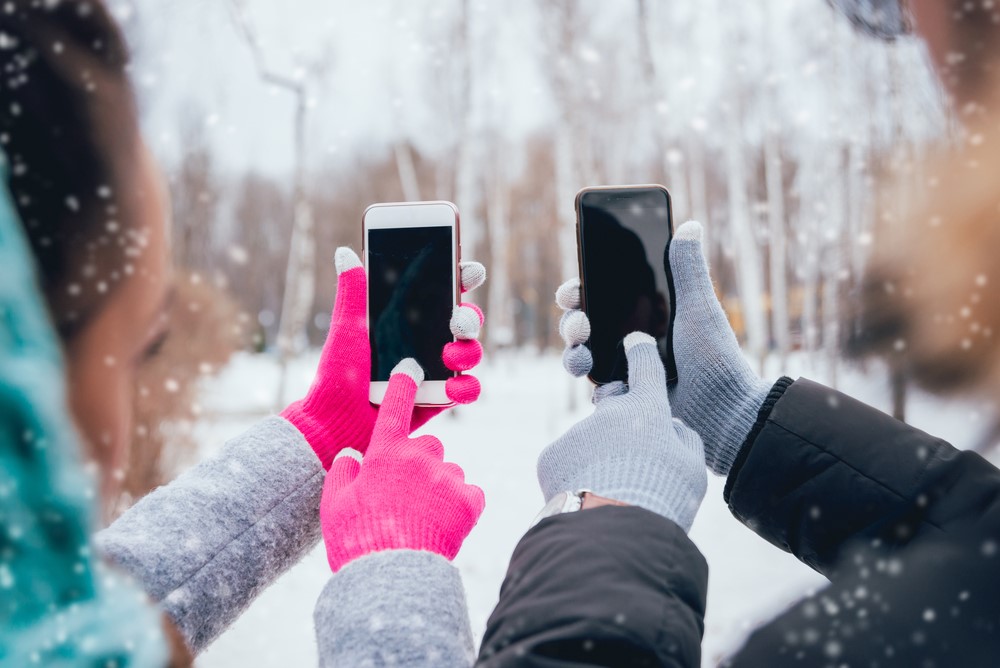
(906, 527)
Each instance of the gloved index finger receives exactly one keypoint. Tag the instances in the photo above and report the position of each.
(396, 412)
(568, 295)
(352, 288)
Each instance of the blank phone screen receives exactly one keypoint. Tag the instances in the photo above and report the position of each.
(411, 295)
(624, 234)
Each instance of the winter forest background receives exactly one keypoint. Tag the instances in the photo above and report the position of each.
(768, 121)
(279, 122)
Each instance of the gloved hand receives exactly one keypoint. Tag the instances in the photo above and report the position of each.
(403, 496)
(335, 413)
(631, 448)
(717, 393)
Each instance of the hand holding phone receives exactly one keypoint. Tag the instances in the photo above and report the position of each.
(336, 412)
(716, 392)
(411, 255)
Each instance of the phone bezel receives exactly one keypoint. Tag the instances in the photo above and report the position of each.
(402, 215)
(671, 369)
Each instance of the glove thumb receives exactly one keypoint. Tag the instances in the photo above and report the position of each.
(688, 265)
(342, 473)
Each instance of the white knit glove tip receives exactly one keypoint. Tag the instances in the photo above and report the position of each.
(574, 328)
(568, 295)
(409, 367)
(689, 231)
(344, 258)
(645, 368)
(472, 275)
(465, 324)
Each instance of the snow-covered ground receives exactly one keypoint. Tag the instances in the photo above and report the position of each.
(528, 401)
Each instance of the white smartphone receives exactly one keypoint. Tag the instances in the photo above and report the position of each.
(411, 255)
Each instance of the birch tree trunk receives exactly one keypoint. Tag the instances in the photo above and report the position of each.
(466, 160)
(500, 328)
(809, 249)
(699, 189)
(745, 253)
(406, 171)
(671, 157)
(778, 256)
(560, 17)
(833, 264)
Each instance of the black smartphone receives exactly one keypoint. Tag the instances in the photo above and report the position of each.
(623, 235)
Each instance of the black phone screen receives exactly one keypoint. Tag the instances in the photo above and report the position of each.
(624, 236)
(411, 295)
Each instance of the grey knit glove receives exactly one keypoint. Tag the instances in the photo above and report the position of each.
(630, 448)
(717, 393)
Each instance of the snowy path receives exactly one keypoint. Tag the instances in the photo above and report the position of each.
(523, 407)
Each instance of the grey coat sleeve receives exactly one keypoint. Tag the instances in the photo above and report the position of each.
(208, 543)
(394, 608)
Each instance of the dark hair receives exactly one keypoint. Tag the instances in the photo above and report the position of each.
(68, 127)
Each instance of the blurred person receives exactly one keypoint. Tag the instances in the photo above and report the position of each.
(89, 219)
(54, 594)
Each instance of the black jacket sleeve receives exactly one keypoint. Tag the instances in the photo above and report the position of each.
(612, 586)
(826, 471)
(903, 524)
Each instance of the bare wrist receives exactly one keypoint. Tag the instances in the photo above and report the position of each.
(591, 500)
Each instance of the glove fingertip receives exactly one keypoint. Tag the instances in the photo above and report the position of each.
(578, 361)
(478, 311)
(343, 471)
(568, 295)
(637, 338)
(409, 367)
(473, 274)
(574, 327)
(477, 499)
(689, 231)
(462, 355)
(465, 322)
(462, 389)
(345, 259)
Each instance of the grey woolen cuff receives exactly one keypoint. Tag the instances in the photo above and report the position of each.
(394, 608)
(739, 398)
(208, 543)
(629, 469)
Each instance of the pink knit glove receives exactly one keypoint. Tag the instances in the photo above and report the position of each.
(403, 496)
(335, 413)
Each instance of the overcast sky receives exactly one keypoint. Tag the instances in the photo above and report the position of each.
(374, 68)
(379, 69)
